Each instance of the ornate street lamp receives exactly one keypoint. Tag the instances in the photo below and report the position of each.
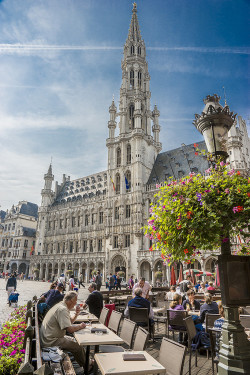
(214, 123)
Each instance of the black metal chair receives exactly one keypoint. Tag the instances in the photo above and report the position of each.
(140, 316)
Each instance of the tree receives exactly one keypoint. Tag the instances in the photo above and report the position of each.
(200, 213)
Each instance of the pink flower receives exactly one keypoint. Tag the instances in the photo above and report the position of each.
(227, 191)
(13, 353)
(235, 209)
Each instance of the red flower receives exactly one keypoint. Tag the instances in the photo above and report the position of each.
(239, 190)
(238, 173)
(240, 208)
(151, 249)
(196, 153)
(248, 194)
(186, 251)
(179, 227)
(195, 145)
(158, 236)
(189, 214)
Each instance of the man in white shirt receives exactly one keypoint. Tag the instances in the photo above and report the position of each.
(145, 287)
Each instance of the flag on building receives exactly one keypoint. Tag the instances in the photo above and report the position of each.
(32, 250)
(112, 183)
(127, 183)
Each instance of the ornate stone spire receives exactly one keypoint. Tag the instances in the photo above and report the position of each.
(134, 29)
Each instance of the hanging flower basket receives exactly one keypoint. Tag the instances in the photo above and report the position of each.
(94, 272)
(69, 271)
(121, 273)
(158, 275)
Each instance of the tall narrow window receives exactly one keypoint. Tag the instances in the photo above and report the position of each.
(132, 50)
(127, 211)
(85, 246)
(91, 249)
(115, 242)
(132, 78)
(139, 50)
(128, 154)
(118, 183)
(116, 213)
(71, 247)
(139, 79)
(86, 220)
(93, 219)
(128, 181)
(118, 157)
(100, 244)
(101, 217)
(58, 247)
(127, 240)
(131, 116)
(73, 221)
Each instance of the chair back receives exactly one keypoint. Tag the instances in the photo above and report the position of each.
(139, 315)
(127, 331)
(172, 356)
(129, 298)
(103, 316)
(191, 330)
(151, 298)
(176, 317)
(163, 304)
(114, 321)
(141, 339)
(210, 319)
(246, 310)
(245, 321)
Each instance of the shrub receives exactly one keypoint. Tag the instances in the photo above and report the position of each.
(11, 342)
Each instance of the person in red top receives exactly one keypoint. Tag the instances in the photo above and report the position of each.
(211, 289)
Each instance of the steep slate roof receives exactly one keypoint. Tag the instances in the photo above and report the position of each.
(2, 215)
(85, 187)
(29, 209)
(29, 232)
(178, 163)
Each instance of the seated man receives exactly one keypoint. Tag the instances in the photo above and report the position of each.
(190, 303)
(209, 306)
(140, 302)
(94, 300)
(54, 295)
(144, 286)
(57, 322)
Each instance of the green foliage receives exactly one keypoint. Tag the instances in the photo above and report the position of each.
(11, 342)
(198, 213)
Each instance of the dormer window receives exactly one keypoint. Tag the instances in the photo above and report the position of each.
(118, 157)
(132, 79)
(132, 50)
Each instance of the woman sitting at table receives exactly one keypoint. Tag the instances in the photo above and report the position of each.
(190, 303)
(177, 306)
(218, 325)
(209, 306)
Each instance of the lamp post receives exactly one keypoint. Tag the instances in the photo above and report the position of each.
(214, 123)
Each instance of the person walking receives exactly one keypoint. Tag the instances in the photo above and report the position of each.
(111, 282)
(118, 282)
(11, 285)
(80, 281)
(71, 283)
(98, 281)
(21, 277)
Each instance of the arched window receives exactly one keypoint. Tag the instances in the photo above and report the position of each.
(128, 154)
(139, 79)
(132, 78)
(132, 50)
(128, 181)
(117, 183)
(131, 116)
(118, 157)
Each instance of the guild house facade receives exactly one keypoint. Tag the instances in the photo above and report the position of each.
(95, 222)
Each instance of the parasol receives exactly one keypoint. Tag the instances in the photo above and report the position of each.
(173, 278)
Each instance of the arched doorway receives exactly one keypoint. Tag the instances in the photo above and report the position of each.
(118, 264)
(76, 270)
(62, 269)
(210, 266)
(158, 272)
(13, 267)
(145, 271)
(44, 271)
(22, 268)
(100, 268)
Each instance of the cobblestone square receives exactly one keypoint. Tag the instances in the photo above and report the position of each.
(27, 290)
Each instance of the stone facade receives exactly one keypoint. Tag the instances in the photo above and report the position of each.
(17, 237)
(95, 222)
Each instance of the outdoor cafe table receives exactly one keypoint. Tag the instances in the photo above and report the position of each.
(86, 317)
(118, 298)
(84, 337)
(113, 363)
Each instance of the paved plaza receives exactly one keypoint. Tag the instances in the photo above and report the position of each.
(27, 290)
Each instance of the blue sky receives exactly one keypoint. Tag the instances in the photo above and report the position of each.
(60, 64)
